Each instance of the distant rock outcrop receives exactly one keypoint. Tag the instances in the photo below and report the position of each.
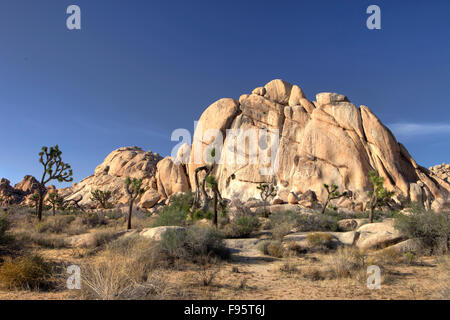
(110, 176)
(21, 193)
(442, 171)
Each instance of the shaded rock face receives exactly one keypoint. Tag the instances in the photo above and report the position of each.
(110, 176)
(8, 194)
(21, 193)
(28, 185)
(329, 140)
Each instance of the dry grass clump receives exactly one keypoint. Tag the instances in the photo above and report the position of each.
(42, 239)
(289, 267)
(313, 273)
(320, 239)
(103, 237)
(345, 262)
(391, 256)
(242, 227)
(25, 272)
(271, 248)
(126, 270)
(4, 226)
(443, 290)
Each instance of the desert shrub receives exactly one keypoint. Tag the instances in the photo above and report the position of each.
(199, 215)
(432, 229)
(176, 212)
(93, 219)
(128, 269)
(103, 237)
(317, 222)
(205, 240)
(173, 242)
(289, 267)
(345, 261)
(443, 290)
(313, 273)
(242, 227)
(320, 239)
(283, 222)
(271, 248)
(56, 224)
(114, 215)
(26, 272)
(389, 256)
(281, 230)
(197, 241)
(4, 226)
(44, 240)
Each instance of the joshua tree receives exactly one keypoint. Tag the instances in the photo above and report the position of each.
(35, 199)
(101, 197)
(54, 169)
(134, 190)
(211, 181)
(56, 201)
(333, 193)
(267, 190)
(379, 197)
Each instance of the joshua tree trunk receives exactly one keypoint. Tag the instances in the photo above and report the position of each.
(325, 205)
(215, 222)
(202, 189)
(373, 204)
(129, 213)
(54, 210)
(40, 204)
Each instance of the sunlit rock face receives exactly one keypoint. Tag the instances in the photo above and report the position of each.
(329, 140)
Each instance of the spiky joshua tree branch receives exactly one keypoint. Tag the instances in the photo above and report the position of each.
(54, 169)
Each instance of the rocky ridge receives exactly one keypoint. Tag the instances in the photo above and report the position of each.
(326, 140)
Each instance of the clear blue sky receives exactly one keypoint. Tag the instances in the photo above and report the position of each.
(140, 69)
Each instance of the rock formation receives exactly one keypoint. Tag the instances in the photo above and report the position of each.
(329, 140)
(21, 193)
(273, 135)
(442, 171)
(110, 176)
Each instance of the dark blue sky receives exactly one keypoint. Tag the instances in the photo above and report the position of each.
(140, 69)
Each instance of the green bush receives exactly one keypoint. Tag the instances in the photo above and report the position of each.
(173, 242)
(432, 229)
(201, 240)
(176, 212)
(195, 241)
(27, 272)
(281, 223)
(199, 215)
(241, 227)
